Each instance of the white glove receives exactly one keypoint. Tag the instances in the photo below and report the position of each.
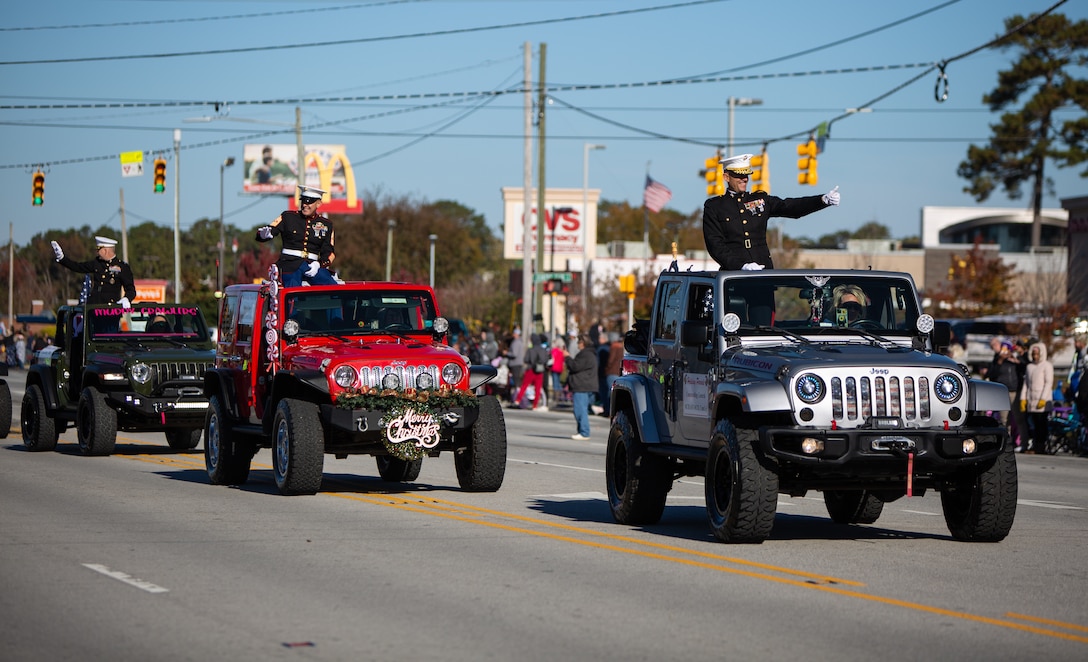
(312, 271)
(752, 266)
(124, 302)
(265, 232)
(832, 197)
(57, 251)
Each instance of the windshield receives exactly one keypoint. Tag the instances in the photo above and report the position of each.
(147, 322)
(361, 311)
(803, 303)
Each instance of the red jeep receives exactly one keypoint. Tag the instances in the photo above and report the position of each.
(356, 368)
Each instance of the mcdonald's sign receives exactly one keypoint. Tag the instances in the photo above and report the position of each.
(272, 170)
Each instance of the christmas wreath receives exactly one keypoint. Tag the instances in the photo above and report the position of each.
(411, 414)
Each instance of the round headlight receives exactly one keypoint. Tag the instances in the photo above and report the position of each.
(140, 373)
(425, 381)
(344, 376)
(391, 380)
(810, 388)
(947, 387)
(290, 328)
(731, 322)
(441, 325)
(452, 373)
(925, 323)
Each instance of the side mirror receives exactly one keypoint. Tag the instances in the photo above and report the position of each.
(695, 333)
(942, 337)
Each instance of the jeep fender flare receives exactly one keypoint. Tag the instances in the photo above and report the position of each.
(42, 376)
(219, 382)
(633, 393)
(752, 396)
(987, 396)
(308, 385)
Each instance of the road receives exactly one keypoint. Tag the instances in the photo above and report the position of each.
(136, 557)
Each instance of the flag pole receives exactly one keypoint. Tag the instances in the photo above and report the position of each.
(646, 218)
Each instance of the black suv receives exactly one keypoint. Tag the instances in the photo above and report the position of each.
(114, 368)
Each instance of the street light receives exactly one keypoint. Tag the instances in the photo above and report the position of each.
(733, 102)
(585, 212)
(389, 250)
(222, 235)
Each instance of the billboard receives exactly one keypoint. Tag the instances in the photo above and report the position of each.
(570, 224)
(273, 170)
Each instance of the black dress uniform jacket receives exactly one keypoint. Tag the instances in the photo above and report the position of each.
(735, 225)
(107, 278)
(304, 240)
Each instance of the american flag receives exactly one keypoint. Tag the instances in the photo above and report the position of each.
(655, 195)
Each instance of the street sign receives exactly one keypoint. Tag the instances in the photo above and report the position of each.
(544, 276)
(132, 164)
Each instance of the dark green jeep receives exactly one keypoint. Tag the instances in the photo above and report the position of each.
(114, 368)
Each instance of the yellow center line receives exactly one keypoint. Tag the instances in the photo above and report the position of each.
(399, 502)
(473, 515)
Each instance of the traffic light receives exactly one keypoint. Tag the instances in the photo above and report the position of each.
(715, 179)
(760, 179)
(38, 195)
(160, 175)
(806, 165)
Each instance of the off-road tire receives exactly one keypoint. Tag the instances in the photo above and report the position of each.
(981, 506)
(96, 423)
(226, 458)
(39, 430)
(481, 462)
(5, 409)
(638, 482)
(183, 439)
(853, 506)
(396, 470)
(741, 492)
(298, 447)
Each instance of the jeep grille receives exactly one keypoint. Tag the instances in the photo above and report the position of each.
(179, 370)
(409, 374)
(856, 395)
(906, 397)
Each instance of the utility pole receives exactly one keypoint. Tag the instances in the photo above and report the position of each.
(301, 151)
(527, 214)
(541, 209)
(177, 216)
(124, 232)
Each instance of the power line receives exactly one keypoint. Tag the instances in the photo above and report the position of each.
(170, 21)
(365, 40)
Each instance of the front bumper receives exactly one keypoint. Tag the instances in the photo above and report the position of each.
(935, 450)
(141, 412)
(358, 428)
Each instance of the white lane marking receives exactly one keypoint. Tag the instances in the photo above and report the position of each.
(916, 512)
(126, 578)
(599, 496)
(558, 466)
(1047, 504)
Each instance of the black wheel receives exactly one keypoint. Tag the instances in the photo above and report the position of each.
(638, 482)
(396, 470)
(868, 325)
(852, 506)
(980, 507)
(741, 493)
(96, 423)
(481, 463)
(39, 431)
(298, 449)
(5, 409)
(183, 439)
(226, 459)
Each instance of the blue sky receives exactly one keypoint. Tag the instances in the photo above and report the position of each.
(888, 163)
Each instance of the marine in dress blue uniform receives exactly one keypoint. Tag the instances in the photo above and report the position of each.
(307, 251)
(735, 224)
(111, 279)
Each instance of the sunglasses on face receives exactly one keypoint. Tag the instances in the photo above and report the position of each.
(853, 309)
(735, 175)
